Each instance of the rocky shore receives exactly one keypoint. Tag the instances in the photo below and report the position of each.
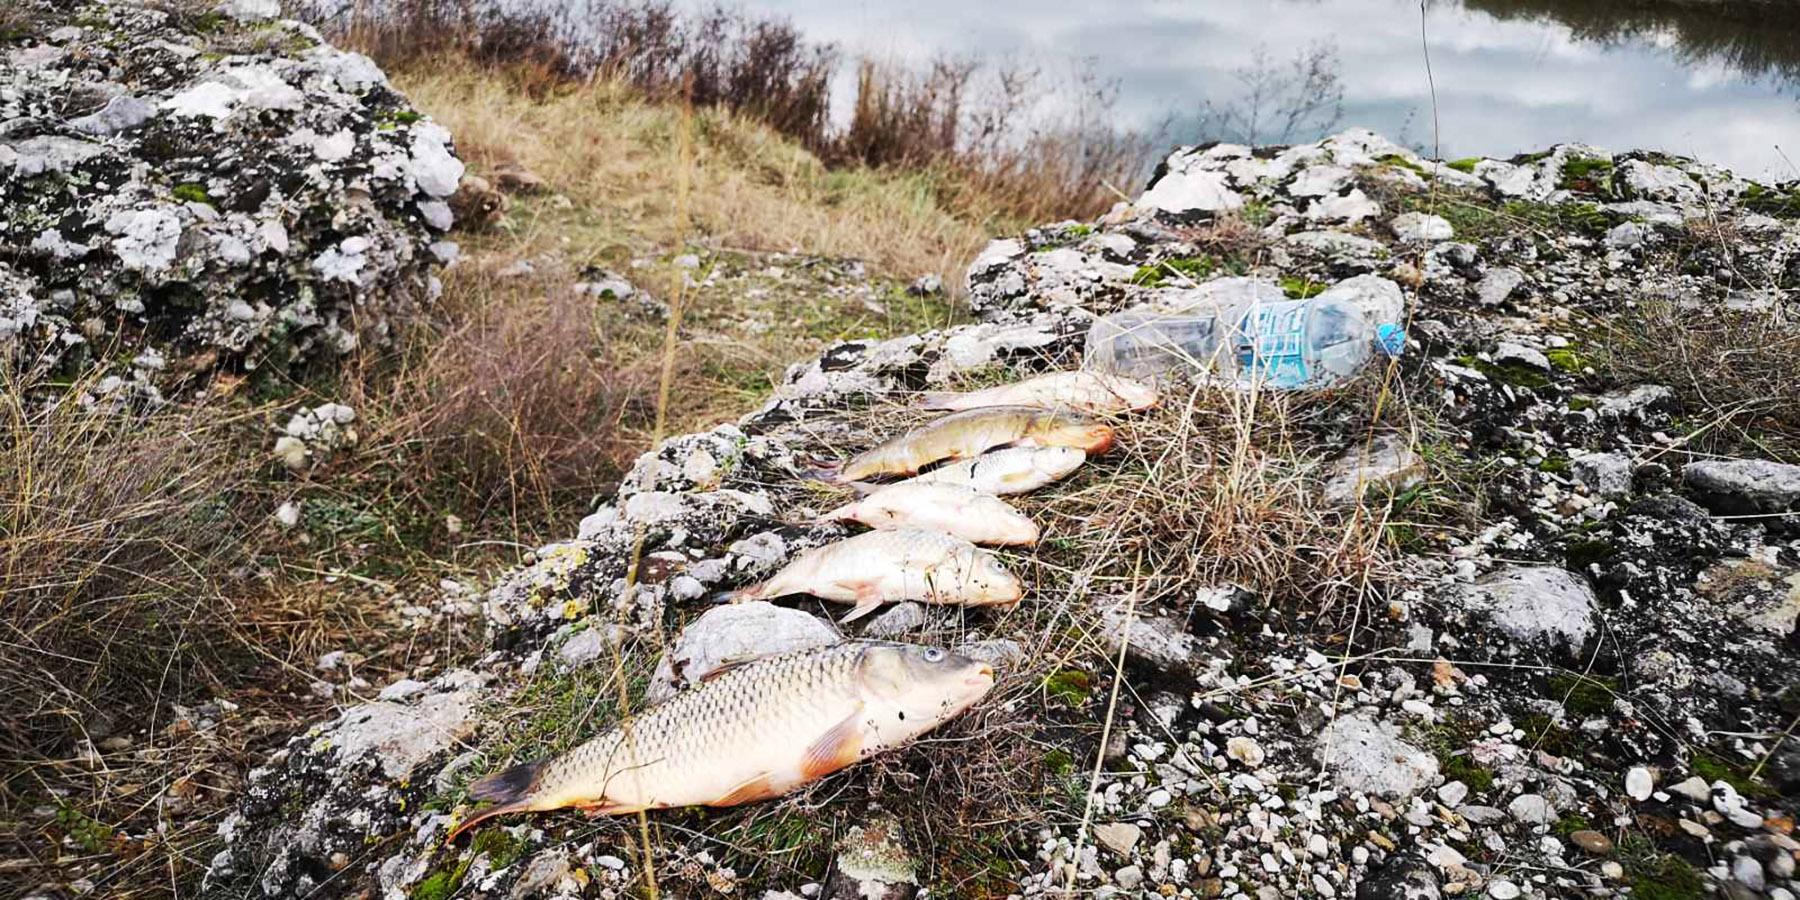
(1540, 640)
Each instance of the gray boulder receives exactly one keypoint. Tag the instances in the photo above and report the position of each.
(1540, 606)
(1367, 755)
(238, 191)
(1744, 486)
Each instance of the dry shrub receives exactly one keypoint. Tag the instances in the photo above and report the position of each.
(1736, 372)
(123, 543)
(504, 407)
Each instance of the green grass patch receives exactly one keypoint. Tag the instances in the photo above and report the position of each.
(1566, 359)
(1301, 288)
(1570, 824)
(1466, 164)
(1192, 268)
(1665, 877)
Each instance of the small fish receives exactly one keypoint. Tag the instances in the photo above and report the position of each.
(1082, 391)
(1015, 470)
(973, 432)
(878, 567)
(751, 732)
(953, 509)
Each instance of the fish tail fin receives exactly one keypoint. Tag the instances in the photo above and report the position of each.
(510, 789)
(502, 809)
(935, 400)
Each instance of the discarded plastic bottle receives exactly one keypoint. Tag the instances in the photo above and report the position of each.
(1284, 344)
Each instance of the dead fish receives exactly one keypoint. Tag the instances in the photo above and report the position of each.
(751, 732)
(878, 567)
(973, 432)
(953, 509)
(1015, 470)
(1082, 391)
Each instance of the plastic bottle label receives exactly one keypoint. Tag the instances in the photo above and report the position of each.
(1272, 344)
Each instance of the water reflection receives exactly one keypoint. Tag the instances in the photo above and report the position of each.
(1753, 39)
(1510, 75)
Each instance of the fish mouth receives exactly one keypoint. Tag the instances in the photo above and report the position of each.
(983, 677)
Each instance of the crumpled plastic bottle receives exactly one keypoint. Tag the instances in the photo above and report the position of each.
(1285, 345)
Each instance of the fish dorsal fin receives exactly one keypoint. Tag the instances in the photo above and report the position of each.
(835, 749)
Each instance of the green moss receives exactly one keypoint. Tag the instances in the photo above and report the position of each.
(1516, 374)
(192, 192)
(1566, 359)
(1458, 767)
(1301, 288)
(1524, 158)
(1713, 768)
(1549, 736)
(501, 847)
(1583, 552)
(1187, 269)
(1665, 877)
(442, 884)
(1070, 686)
(1555, 465)
(1060, 762)
(1584, 695)
(1398, 161)
(1568, 825)
(1466, 164)
(1580, 404)
(1079, 231)
(1593, 176)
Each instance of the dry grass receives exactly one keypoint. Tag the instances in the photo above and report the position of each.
(976, 135)
(120, 534)
(1736, 374)
(609, 152)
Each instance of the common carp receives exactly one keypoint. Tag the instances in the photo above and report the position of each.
(1014, 470)
(954, 509)
(1081, 391)
(750, 732)
(878, 567)
(973, 432)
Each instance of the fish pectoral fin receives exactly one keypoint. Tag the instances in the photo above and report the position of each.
(761, 787)
(835, 749)
(862, 608)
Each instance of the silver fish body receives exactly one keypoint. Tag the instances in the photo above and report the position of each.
(1014, 470)
(878, 567)
(1080, 391)
(953, 509)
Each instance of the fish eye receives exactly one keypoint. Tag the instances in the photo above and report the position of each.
(933, 654)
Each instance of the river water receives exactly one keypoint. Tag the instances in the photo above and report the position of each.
(1713, 79)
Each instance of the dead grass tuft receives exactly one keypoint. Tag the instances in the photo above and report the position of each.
(1736, 373)
(1215, 487)
(119, 545)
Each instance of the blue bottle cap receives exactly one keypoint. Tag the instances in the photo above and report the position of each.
(1390, 338)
